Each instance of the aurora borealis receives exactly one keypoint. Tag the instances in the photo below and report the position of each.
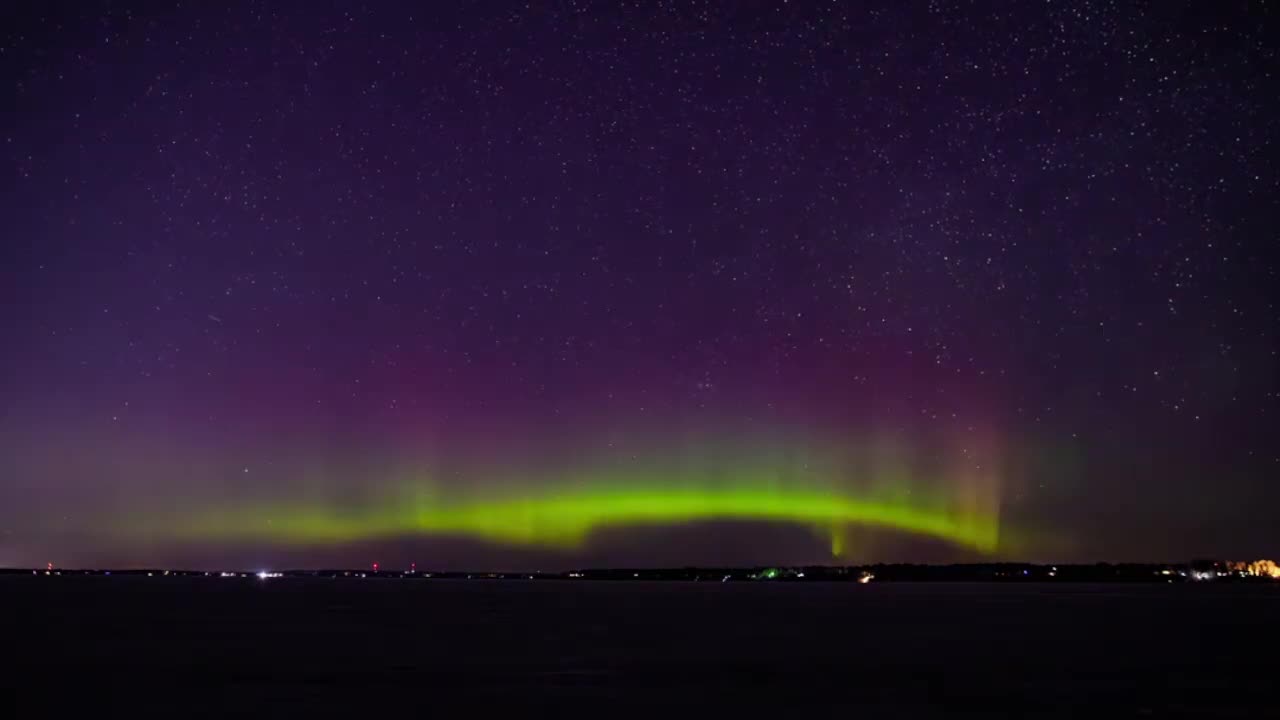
(552, 506)
(566, 520)
(650, 283)
(538, 513)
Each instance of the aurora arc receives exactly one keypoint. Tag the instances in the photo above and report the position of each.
(566, 518)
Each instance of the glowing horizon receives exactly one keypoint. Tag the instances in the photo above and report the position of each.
(566, 515)
(567, 520)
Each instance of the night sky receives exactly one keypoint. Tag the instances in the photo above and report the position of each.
(653, 283)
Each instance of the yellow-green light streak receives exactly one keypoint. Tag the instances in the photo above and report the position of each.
(563, 505)
(566, 519)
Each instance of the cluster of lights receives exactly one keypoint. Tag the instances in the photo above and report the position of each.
(1257, 568)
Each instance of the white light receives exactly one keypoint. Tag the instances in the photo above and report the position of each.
(799, 575)
(262, 575)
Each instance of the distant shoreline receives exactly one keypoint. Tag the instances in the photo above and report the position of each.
(1200, 571)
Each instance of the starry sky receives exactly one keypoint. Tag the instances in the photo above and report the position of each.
(481, 284)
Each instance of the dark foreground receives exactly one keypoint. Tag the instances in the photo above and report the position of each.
(292, 647)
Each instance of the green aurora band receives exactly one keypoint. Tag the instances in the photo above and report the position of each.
(565, 516)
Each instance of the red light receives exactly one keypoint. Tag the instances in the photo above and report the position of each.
(375, 567)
